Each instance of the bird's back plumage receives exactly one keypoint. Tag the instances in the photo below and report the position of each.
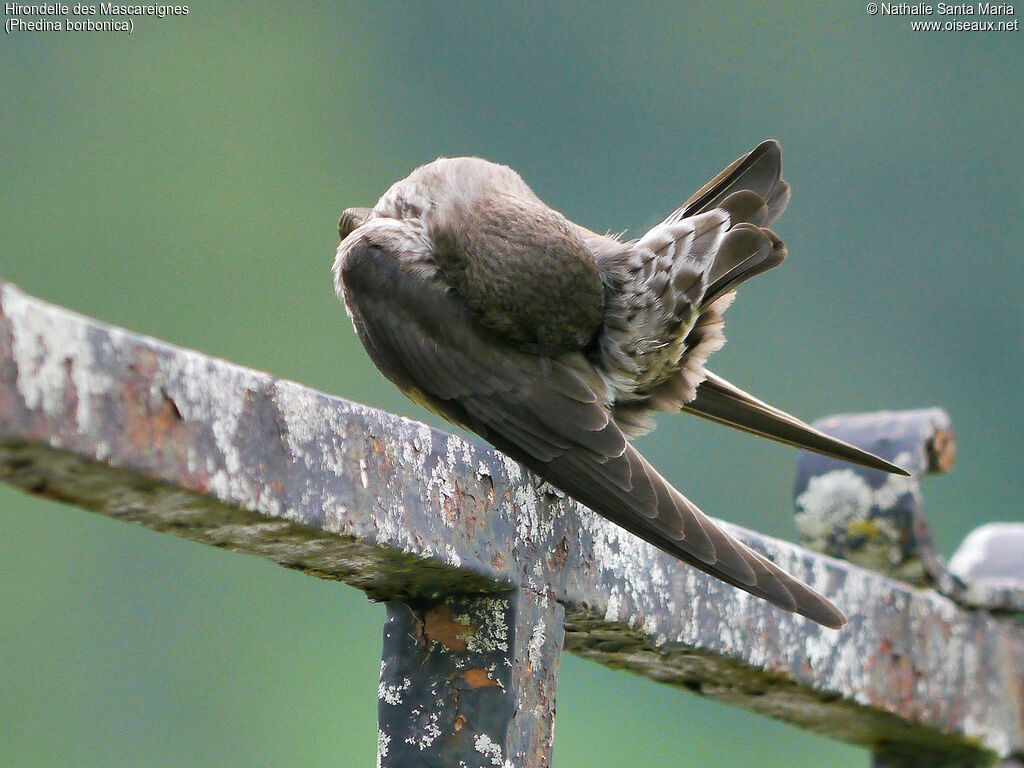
(582, 345)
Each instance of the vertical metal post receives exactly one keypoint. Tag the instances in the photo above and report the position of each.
(469, 682)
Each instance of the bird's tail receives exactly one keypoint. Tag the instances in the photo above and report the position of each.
(732, 212)
(752, 192)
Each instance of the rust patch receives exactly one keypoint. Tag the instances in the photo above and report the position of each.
(451, 507)
(941, 451)
(151, 424)
(560, 554)
(460, 723)
(440, 627)
(477, 677)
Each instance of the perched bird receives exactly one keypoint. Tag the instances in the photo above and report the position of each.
(556, 344)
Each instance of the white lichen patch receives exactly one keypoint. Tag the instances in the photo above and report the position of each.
(335, 511)
(314, 429)
(490, 628)
(451, 555)
(637, 568)
(423, 441)
(996, 738)
(513, 469)
(303, 418)
(532, 524)
(830, 500)
(392, 694)
(392, 532)
(611, 611)
(383, 742)
(535, 650)
(650, 624)
(843, 503)
(897, 486)
(51, 351)
(441, 479)
(429, 733)
(492, 672)
(208, 391)
(488, 748)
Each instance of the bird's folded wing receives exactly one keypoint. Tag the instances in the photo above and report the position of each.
(720, 401)
(547, 412)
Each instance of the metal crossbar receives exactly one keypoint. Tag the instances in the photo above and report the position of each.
(488, 573)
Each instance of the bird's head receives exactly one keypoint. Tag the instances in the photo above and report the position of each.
(432, 209)
(437, 195)
(477, 227)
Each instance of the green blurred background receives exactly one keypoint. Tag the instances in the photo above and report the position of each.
(185, 182)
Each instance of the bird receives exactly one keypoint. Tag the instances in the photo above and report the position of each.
(558, 345)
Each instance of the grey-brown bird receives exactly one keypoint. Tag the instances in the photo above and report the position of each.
(557, 345)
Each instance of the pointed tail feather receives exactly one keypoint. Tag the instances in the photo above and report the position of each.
(758, 171)
(745, 251)
(720, 401)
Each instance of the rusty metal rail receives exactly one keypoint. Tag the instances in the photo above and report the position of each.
(488, 574)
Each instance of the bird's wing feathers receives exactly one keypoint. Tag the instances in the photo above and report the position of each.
(550, 413)
(725, 403)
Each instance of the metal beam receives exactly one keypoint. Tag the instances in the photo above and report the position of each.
(148, 432)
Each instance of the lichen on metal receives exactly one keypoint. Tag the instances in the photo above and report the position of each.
(144, 431)
(866, 516)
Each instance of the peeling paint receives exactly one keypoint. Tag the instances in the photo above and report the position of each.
(477, 677)
(439, 626)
